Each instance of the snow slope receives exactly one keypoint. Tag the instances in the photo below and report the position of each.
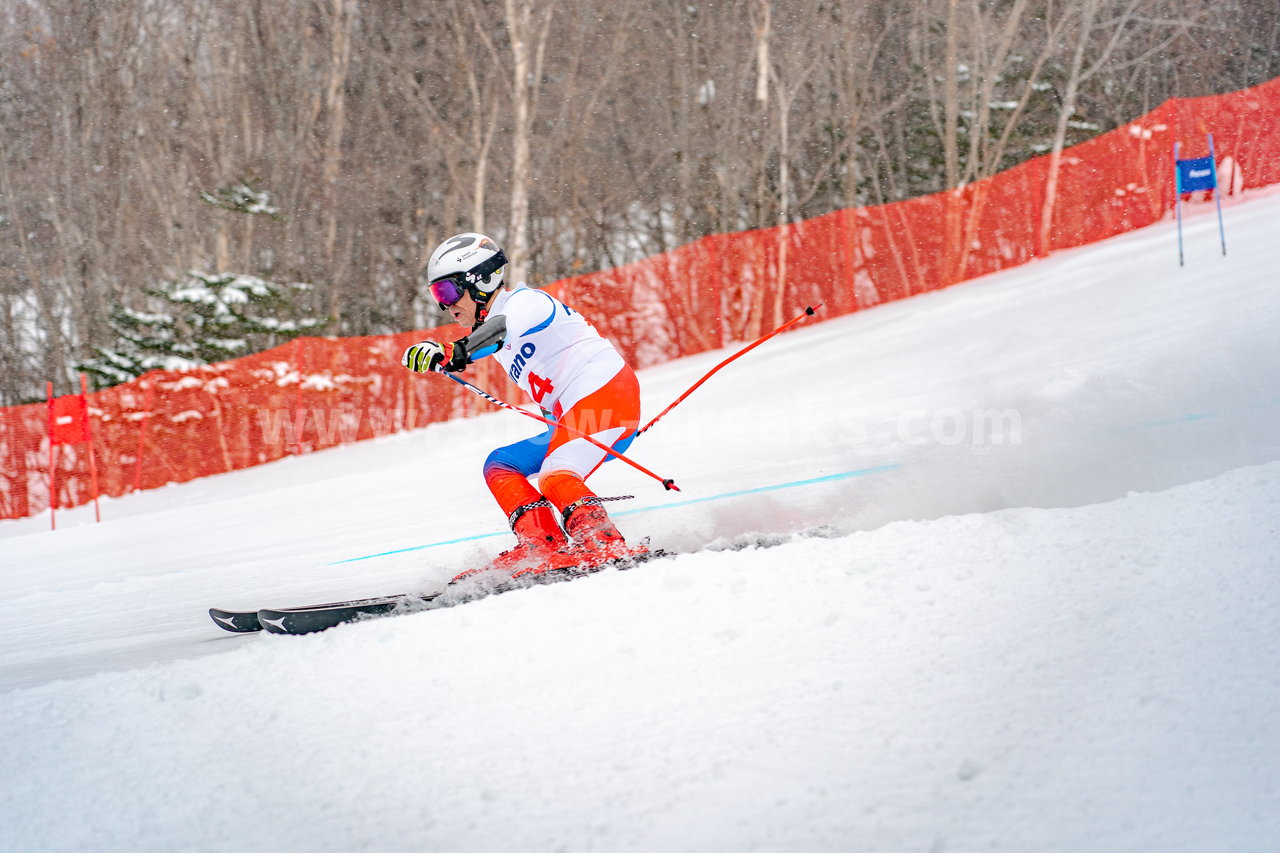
(1020, 591)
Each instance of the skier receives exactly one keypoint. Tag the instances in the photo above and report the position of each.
(566, 367)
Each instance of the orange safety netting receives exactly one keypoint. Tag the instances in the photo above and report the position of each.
(315, 393)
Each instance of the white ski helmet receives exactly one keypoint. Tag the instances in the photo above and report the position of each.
(466, 263)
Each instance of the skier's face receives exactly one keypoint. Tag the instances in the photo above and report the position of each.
(464, 311)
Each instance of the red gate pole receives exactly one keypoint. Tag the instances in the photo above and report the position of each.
(88, 433)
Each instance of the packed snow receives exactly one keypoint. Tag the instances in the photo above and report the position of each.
(995, 567)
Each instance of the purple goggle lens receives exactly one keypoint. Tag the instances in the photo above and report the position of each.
(446, 291)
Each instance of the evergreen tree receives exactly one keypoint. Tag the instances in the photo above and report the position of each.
(242, 197)
(204, 318)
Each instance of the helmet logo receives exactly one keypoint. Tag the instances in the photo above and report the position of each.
(461, 241)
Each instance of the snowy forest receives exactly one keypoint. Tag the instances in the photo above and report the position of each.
(581, 133)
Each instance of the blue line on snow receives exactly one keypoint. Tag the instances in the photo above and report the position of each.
(1189, 418)
(843, 475)
(1192, 417)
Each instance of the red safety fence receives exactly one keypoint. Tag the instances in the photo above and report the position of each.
(315, 393)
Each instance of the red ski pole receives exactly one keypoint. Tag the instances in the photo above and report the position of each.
(808, 312)
(668, 484)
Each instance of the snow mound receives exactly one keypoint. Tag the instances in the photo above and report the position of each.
(1095, 678)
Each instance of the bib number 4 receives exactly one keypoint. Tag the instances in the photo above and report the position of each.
(539, 387)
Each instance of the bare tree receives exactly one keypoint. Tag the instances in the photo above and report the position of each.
(340, 20)
(529, 23)
(1097, 36)
(583, 134)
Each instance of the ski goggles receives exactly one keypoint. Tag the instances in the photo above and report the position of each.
(447, 291)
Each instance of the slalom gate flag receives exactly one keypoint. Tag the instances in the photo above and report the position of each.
(1196, 175)
(69, 419)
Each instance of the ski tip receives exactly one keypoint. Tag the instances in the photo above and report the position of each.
(235, 621)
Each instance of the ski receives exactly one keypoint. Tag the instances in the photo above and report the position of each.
(321, 617)
(308, 620)
(248, 622)
(236, 621)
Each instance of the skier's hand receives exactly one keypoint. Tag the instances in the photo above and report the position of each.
(426, 356)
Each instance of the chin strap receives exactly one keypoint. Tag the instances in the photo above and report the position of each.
(482, 304)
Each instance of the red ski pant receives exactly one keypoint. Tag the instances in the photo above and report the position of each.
(560, 458)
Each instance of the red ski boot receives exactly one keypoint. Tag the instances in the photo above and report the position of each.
(542, 546)
(595, 538)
